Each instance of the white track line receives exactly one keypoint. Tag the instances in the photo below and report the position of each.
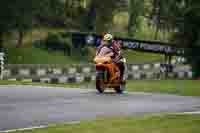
(23, 129)
(37, 127)
(189, 113)
(77, 122)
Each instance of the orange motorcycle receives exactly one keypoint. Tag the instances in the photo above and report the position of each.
(107, 75)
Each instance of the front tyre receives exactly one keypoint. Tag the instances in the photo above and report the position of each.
(100, 85)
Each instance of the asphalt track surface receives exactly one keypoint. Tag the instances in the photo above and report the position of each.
(27, 106)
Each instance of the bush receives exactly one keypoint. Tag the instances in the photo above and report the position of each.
(39, 44)
(56, 42)
(61, 41)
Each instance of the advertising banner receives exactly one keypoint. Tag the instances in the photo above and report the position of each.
(145, 46)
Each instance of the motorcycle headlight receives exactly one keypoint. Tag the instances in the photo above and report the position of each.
(123, 60)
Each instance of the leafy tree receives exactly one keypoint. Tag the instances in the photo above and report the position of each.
(101, 14)
(183, 15)
(21, 15)
(89, 23)
(136, 10)
(190, 34)
(16, 15)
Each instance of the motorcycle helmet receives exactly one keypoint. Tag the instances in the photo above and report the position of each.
(108, 37)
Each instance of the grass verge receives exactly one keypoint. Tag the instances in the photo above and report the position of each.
(37, 56)
(178, 87)
(40, 56)
(150, 124)
(135, 57)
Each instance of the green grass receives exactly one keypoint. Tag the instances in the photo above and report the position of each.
(37, 56)
(177, 87)
(145, 124)
(141, 57)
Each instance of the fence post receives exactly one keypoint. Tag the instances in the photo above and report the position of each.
(2, 65)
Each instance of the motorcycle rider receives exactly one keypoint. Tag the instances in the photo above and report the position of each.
(105, 47)
(118, 58)
(112, 48)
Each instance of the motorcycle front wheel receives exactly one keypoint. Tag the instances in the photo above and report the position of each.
(100, 85)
